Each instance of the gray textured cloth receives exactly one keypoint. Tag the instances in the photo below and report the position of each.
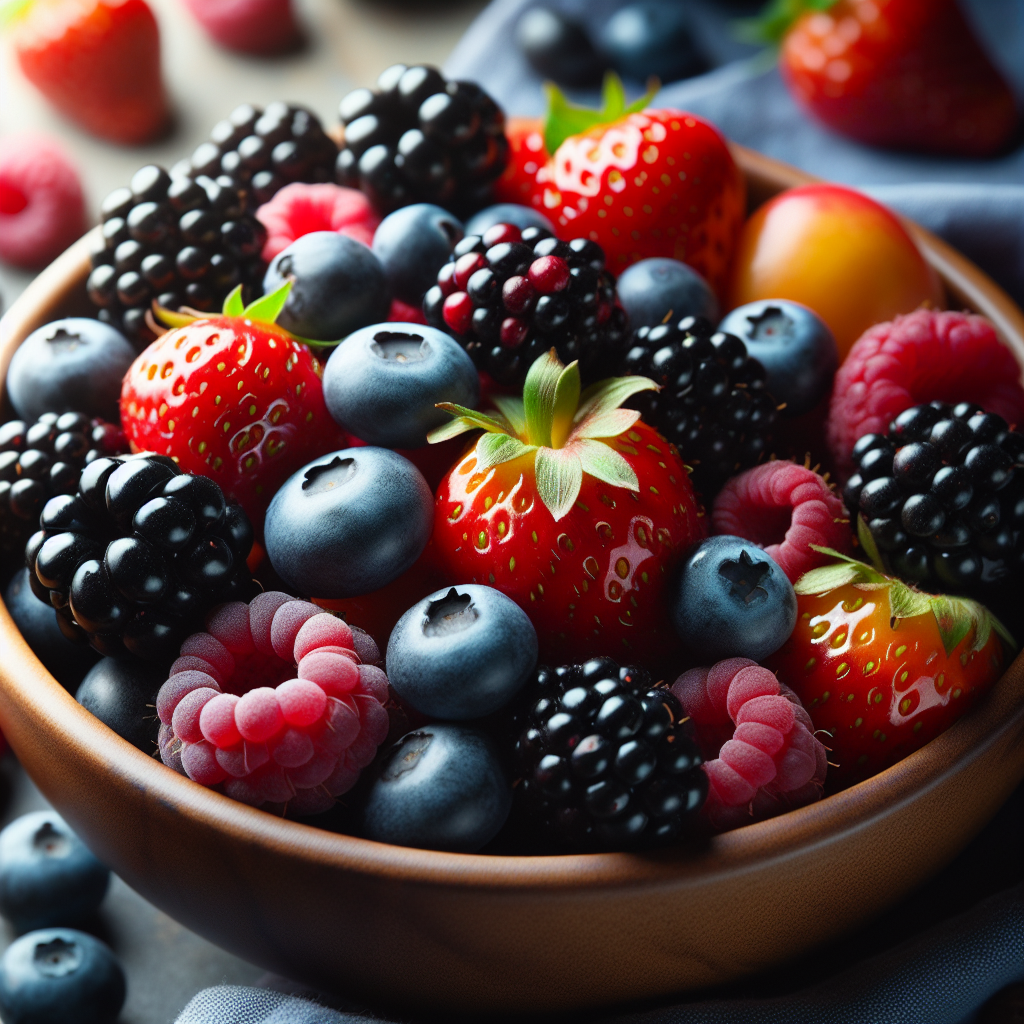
(240, 1004)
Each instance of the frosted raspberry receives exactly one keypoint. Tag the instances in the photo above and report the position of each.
(42, 210)
(762, 757)
(785, 508)
(299, 209)
(922, 357)
(274, 704)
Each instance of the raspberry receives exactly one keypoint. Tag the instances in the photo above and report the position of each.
(273, 704)
(771, 762)
(300, 209)
(785, 508)
(922, 357)
(42, 210)
(249, 26)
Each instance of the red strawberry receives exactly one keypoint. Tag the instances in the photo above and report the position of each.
(574, 508)
(97, 62)
(882, 667)
(526, 156)
(902, 73)
(640, 182)
(249, 26)
(232, 397)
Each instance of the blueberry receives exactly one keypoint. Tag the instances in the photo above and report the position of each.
(349, 522)
(438, 788)
(339, 286)
(71, 365)
(66, 661)
(652, 38)
(659, 287)
(58, 975)
(382, 383)
(732, 600)
(558, 47)
(121, 693)
(48, 876)
(522, 217)
(793, 344)
(462, 652)
(413, 244)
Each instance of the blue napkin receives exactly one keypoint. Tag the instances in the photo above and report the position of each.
(976, 205)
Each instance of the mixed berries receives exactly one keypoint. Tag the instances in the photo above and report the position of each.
(443, 430)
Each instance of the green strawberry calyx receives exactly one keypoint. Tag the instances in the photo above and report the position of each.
(778, 16)
(567, 431)
(956, 617)
(565, 118)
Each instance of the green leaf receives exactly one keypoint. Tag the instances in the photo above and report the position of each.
(565, 119)
(775, 20)
(563, 409)
(827, 577)
(867, 542)
(171, 318)
(610, 423)
(905, 602)
(1003, 632)
(233, 305)
(465, 419)
(955, 619)
(604, 463)
(512, 409)
(610, 393)
(266, 310)
(539, 397)
(559, 478)
(494, 449)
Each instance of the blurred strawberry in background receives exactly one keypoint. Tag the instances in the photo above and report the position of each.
(42, 210)
(96, 61)
(903, 74)
(249, 26)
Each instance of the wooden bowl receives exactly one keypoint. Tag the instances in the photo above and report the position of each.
(510, 935)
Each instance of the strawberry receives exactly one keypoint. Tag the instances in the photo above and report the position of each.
(639, 181)
(232, 397)
(249, 26)
(883, 668)
(907, 74)
(526, 156)
(97, 62)
(575, 509)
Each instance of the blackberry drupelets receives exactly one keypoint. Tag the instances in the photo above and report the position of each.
(138, 555)
(258, 152)
(509, 295)
(40, 460)
(942, 495)
(713, 406)
(420, 138)
(606, 759)
(181, 241)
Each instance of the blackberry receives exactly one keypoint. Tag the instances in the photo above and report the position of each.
(606, 759)
(510, 295)
(420, 138)
(258, 152)
(713, 406)
(137, 556)
(942, 494)
(181, 241)
(40, 460)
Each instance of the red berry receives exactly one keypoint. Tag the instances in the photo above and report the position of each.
(498, 233)
(922, 357)
(513, 331)
(446, 279)
(403, 313)
(458, 312)
(785, 508)
(518, 295)
(762, 755)
(41, 206)
(466, 266)
(299, 209)
(549, 274)
(249, 26)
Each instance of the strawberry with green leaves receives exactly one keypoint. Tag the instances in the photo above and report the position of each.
(640, 181)
(232, 397)
(883, 668)
(575, 508)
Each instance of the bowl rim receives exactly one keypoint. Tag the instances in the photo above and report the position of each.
(27, 690)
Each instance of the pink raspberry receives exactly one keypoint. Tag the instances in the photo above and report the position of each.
(249, 26)
(42, 210)
(274, 705)
(921, 357)
(761, 755)
(299, 209)
(785, 508)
